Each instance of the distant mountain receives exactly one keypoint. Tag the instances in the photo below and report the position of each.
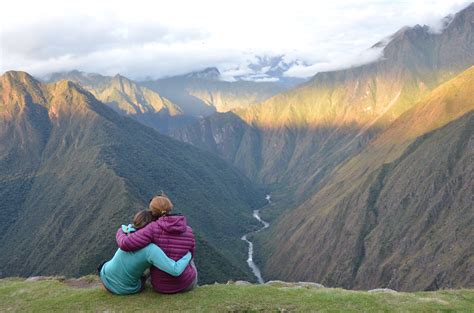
(204, 92)
(210, 73)
(128, 98)
(296, 142)
(72, 170)
(171, 103)
(399, 214)
(293, 140)
(268, 68)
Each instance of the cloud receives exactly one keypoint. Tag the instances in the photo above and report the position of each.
(263, 79)
(367, 56)
(81, 35)
(154, 38)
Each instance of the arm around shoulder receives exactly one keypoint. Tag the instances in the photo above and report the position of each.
(136, 240)
(158, 258)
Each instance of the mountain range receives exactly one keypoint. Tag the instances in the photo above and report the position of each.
(398, 214)
(173, 102)
(369, 168)
(297, 141)
(346, 107)
(130, 99)
(205, 92)
(72, 170)
(269, 68)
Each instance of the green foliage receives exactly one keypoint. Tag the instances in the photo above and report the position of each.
(62, 202)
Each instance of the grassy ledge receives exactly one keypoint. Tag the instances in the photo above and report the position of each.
(73, 296)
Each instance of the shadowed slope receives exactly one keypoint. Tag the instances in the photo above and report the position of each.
(128, 98)
(72, 170)
(293, 140)
(397, 215)
(203, 93)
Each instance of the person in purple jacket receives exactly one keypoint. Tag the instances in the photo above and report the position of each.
(172, 234)
(124, 273)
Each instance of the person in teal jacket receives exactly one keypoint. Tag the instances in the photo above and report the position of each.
(123, 274)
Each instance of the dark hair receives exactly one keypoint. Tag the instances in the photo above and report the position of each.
(143, 218)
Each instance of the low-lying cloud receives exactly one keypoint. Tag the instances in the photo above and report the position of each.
(345, 61)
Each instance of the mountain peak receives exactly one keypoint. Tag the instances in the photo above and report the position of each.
(21, 89)
(65, 75)
(405, 33)
(418, 31)
(83, 78)
(211, 73)
(15, 84)
(470, 7)
(68, 97)
(67, 85)
(123, 84)
(461, 19)
(266, 68)
(120, 77)
(18, 77)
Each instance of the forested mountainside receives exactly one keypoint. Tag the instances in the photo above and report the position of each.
(72, 170)
(397, 215)
(297, 142)
(369, 168)
(293, 140)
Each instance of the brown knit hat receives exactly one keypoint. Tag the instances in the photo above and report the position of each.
(160, 205)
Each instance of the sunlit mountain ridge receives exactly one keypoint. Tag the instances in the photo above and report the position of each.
(397, 214)
(300, 142)
(72, 170)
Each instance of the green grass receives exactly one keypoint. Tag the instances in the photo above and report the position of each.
(39, 296)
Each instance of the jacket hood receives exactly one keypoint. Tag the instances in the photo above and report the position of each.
(175, 224)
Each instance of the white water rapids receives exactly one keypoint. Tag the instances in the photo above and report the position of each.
(250, 262)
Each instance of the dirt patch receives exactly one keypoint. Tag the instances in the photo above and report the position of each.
(41, 278)
(82, 283)
(435, 300)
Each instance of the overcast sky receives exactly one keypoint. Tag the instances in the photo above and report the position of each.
(159, 38)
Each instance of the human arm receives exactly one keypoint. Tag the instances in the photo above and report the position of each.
(136, 240)
(158, 258)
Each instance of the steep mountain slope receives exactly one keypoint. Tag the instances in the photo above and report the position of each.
(128, 98)
(293, 140)
(399, 214)
(203, 93)
(72, 170)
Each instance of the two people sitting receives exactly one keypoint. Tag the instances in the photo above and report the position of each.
(158, 239)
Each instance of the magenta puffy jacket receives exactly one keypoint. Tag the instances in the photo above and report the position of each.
(173, 235)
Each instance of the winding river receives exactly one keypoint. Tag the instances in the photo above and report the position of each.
(250, 262)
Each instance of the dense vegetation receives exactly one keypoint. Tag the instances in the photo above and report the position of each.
(399, 214)
(370, 168)
(72, 170)
(300, 142)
